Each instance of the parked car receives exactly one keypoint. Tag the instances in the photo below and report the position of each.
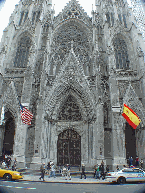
(126, 175)
(10, 175)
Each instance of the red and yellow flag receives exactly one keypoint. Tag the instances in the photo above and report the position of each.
(130, 116)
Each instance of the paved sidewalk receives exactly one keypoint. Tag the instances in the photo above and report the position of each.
(74, 180)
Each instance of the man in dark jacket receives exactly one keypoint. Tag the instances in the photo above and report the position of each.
(42, 169)
(83, 171)
(102, 171)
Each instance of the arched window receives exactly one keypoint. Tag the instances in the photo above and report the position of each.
(22, 53)
(21, 18)
(121, 54)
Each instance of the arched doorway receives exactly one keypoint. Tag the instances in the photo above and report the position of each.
(69, 148)
(9, 133)
(130, 142)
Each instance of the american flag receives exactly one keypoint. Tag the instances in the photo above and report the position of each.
(26, 115)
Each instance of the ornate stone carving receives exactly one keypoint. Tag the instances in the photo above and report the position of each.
(140, 52)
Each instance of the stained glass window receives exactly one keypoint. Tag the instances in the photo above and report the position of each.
(22, 53)
(121, 55)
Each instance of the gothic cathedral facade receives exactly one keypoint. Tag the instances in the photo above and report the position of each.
(74, 73)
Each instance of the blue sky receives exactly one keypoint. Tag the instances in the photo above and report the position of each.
(7, 7)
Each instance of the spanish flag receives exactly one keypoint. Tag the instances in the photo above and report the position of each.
(130, 116)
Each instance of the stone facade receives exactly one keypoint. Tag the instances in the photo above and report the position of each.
(73, 73)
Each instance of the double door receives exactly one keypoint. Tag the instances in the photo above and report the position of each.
(69, 148)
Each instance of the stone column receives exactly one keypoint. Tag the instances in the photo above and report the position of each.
(99, 134)
(53, 143)
(140, 56)
(84, 145)
(117, 124)
(20, 143)
(84, 148)
(1, 138)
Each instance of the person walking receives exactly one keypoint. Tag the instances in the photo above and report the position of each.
(107, 170)
(141, 163)
(97, 172)
(15, 164)
(137, 161)
(101, 168)
(49, 168)
(3, 164)
(8, 161)
(130, 161)
(83, 171)
(67, 172)
(52, 170)
(42, 169)
(95, 169)
(117, 168)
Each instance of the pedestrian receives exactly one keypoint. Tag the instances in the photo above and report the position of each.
(52, 170)
(68, 172)
(117, 167)
(83, 171)
(8, 161)
(130, 161)
(49, 168)
(14, 165)
(101, 168)
(3, 164)
(97, 172)
(42, 169)
(137, 161)
(141, 163)
(95, 169)
(107, 169)
(64, 172)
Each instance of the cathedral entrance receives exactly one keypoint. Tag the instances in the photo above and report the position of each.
(69, 148)
(130, 143)
(9, 133)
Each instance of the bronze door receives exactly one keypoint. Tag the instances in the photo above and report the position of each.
(69, 148)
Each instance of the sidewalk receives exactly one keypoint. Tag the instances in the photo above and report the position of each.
(74, 180)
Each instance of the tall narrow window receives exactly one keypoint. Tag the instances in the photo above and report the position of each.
(38, 16)
(21, 18)
(112, 19)
(108, 18)
(33, 17)
(121, 54)
(22, 53)
(26, 15)
(119, 16)
(124, 20)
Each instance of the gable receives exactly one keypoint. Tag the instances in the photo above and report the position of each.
(72, 11)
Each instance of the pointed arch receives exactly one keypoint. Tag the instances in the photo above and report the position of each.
(121, 52)
(70, 80)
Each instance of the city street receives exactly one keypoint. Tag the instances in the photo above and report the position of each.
(42, 187)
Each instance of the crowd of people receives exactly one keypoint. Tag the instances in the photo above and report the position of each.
(51, 168)
(8, 163)
(99, 170)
